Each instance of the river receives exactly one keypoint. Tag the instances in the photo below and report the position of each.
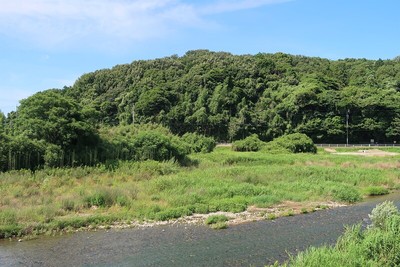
(251, 244)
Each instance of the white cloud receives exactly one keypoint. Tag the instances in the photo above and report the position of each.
(223, 6)
(56, 22)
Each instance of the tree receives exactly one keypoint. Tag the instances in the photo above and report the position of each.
(2, 122)
(55, 118)
(151, 102)
(393, 131)
(203, 91)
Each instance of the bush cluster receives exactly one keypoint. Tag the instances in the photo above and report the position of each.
(382, 212)
(346, 193)
(294, 143)
(141, 142)
(250, 143)
(199, 143)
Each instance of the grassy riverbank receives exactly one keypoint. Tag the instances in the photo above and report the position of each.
(378, 245)
(54, 200)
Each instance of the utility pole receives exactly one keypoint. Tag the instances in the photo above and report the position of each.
(347, 126)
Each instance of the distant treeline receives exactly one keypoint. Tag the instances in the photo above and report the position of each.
(215, 94)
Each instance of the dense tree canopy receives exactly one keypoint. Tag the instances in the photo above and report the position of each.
(48, 128)
(231, 97)
(228, 97)
(55, 118)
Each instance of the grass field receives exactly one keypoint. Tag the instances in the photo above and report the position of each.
(54, 200)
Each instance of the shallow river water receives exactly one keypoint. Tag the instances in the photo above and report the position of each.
(251, 244)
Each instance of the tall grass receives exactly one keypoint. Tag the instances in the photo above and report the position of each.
(223, 180)
(378, 245)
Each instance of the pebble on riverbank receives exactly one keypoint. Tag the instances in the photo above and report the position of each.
(252, 214)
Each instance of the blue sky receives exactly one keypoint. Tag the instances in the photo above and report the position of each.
(50, 43)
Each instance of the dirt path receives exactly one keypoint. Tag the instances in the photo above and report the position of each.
(367, 153)
(330, 150)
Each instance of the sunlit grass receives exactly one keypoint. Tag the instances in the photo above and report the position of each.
(220, 181)
(377, 245)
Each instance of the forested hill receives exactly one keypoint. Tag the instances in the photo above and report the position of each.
(221, 95)
(230, 97)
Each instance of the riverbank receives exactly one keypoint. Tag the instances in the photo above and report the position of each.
(248, 244)
(375, 245)
(252, 214)
(245, 186)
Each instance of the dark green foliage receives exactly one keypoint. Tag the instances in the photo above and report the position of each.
(156, 146)
(48, 129)
(106, 197)
(7, 231)
(100, 199)
(55, 118)
(213, 94)
(230, 97)
(250, 143)
(199, 143)
(24, 153)
(172, 213)
(53, 155)
(294, 143)
(142, 142)
(3, 152)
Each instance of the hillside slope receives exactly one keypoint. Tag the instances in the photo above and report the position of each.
(229, 96)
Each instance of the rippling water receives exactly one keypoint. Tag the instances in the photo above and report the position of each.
(254, 244)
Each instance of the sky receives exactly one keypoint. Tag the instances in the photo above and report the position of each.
(48, 44)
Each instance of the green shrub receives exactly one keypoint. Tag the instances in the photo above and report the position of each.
(213, 219)
(219, 225)
(122, 200)
(382, 212)
(374, 246)
(199, 143)
(148, 167)
(53, 155)
(229, 204)
(156, 146)
(68, 204)
(172, 213)
(250, 143)
(7, 231)
(294, 143)
(79, 222)
(201, 208)
(346, 193)
(7, 217)
(377, 191)
(101, 197)
(141, 142)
